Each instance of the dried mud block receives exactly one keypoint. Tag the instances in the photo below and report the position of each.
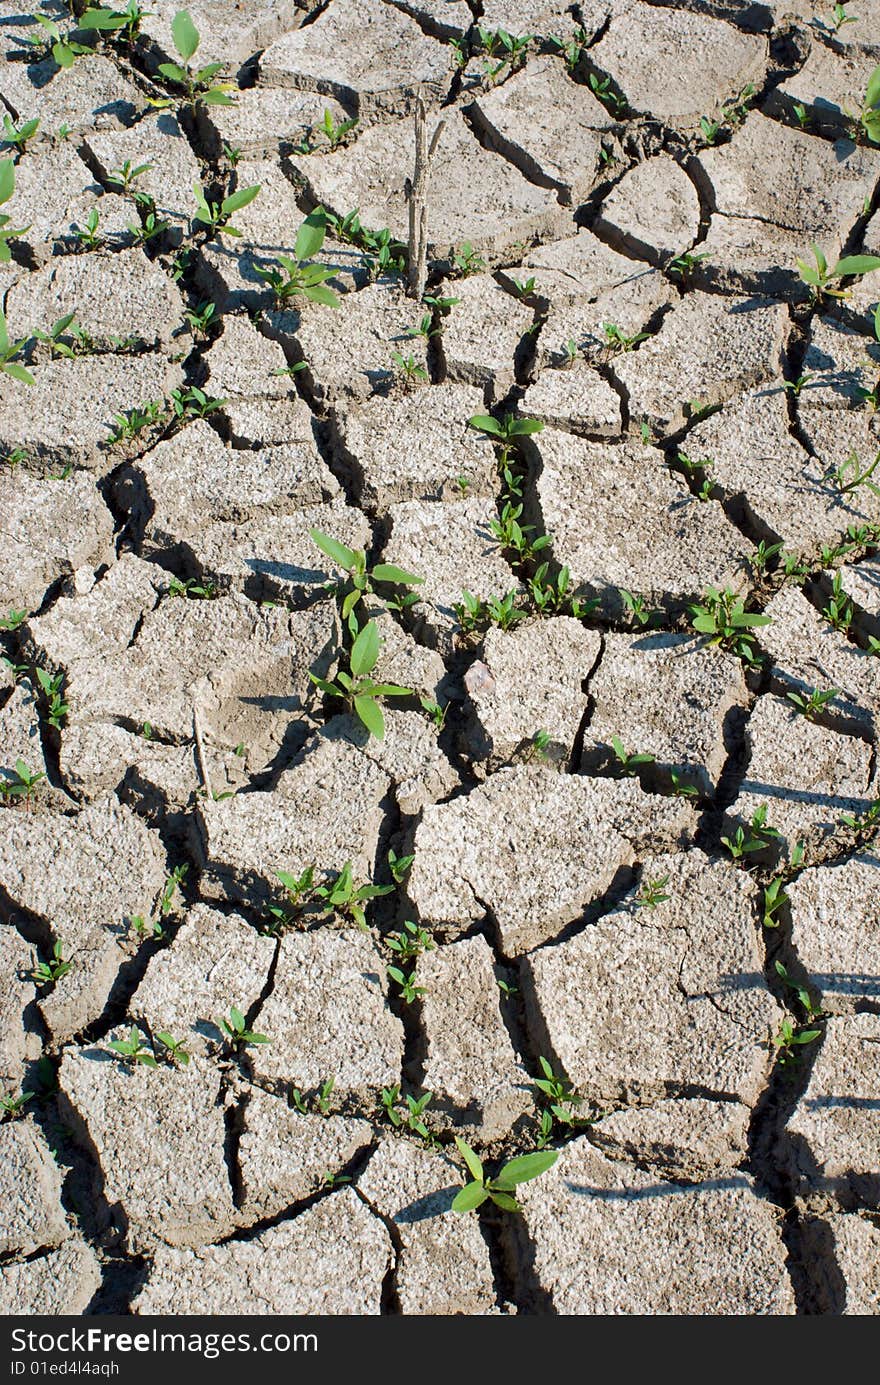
(579, 400)
(409, 754)
(18, 1022)
(652, 213)
(30, 1188)
(92, 94)
(173, 169)
(689, 1138)
(485, 335)
(61, 1284)
(51, 528)
(836, 929)
(55, 193)
(857, 1252)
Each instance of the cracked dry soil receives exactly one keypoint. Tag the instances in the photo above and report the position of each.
(582, 907)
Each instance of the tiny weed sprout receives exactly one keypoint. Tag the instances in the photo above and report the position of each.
(760, 560)
(359, 578)
(680, 787)
(56, 707)
(408, 369)
(22, 784)
(54, 338)
(342, 896)
(851, 474)
(176, 1052)
(410, 941)
(505, 987)
(561, 1099)
(435, 711)
(524, 287)
(216, 215)
(298, 888)
(9, 350)
(47, 973)
(466, 259)
(839, 17)
(683, 265)
(409, 991)
(838, 610)
(87, 236)
(758, 837)
(127, 425)
(774, 899)
(133, 1050)
(361, 693)
(411, 1118)
(193, 403)
(637, 607)
(570, 50)
(425, 328)
(196, 591)
(172, 884)
(18, 135)
(552, 595)
(812, 1011)
(12, 620)
(237, 1032)
(12, 1106)
(201, 319)
(812, 705)
(502, 49)
(123, 178)
(474, 614)
(335, 134)
(513, 536)
(199, 85)
(604, 92)
(304, 280)
(870, 115)
(62, 47)
(789, 1038)
(801, 115)
(537, 746)
(825, 282)
(652, 893)
(126, 23)
(626, 763)
(725, 620)
(866, 821)
(505, 431)
(710, 129)
(500, 1189)
(617, 342)
(399, 865)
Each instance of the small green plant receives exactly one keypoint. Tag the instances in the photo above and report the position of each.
(299, 888)
(838, 610)
(637, 607)
(760, 560)
(410, 941)
(683, 266)
(125, 23)
(412, 1117)
(125, 177)
(789, 1038)
(724, 619)
(869, 118)
(758, 837)
(408, 369)
(626, 763)
(176, 1051)
(571, 50)
(614, 103)
(18, 135)
(12, 1106)
(54, 338)
(342, 896)
(237, 1032)
(502, 50)
(361, 694)
(552, 595)
(335, 134)
(199, 85)
(48, 973)
(304, 279)
(839, 17)
(562, 1101)
(409, 991)
(193, 403)
(133, 1050)
(466, 259)
(63, 48)
(866, 821)
(500, 1189)
(87, 236)
(56, 707)
(505, 431)
(22, 785)
(811, 706)
(680, 787)
(13, 458)
(192, 588)
(775, 898)
(435, 711)
(200, 320)
(359, 579)
(9, 350)
(652, 893)
(710, 129)
(537, 747)
(216, 215)
(399, 866)
(851, 474)
(173, 883)
(813, 1012)
(616, 340)
(824, 282)
(12, 620)
(514, 536)
(129, 424)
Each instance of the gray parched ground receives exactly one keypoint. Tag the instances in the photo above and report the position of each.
(612, 844)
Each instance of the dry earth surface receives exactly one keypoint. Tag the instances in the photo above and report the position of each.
(689, 940)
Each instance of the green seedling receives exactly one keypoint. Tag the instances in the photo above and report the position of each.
(603, 91)
(409, 369)
(123, 178)
(56, 707)
(23, 783)
(48, 973)
(652, 893)
(561, 1099)
(795, 386)
(724, 619)
(760, 560)
(812, 705)
(850, 474)
(466, 259)
(12, 1106)
(866, 821)
(502, 50)
(55, 337)
(199, 85)
(435, 711)
(335, 134)
(342, 896)
(869, 118)
(570, 352)
(195, 590)
(125, 24)
(193, 403)
(758, 837)
(680, 787)
(412, 1117)
(299, 888)
(361, 694)
(500, 1189)
(410, 941)
(505, 431)
(626, 763)
(474, 614)
(12, 459)
(839, 17)
(838, 610)
(175, 1049)
(87, 236)
(524, 288)
(359, 578)
(399, 866)
(710, 129)
(813, 1012)
(304, 279)
(63, 48)
(775, 899)
(801, 115)
(425, 328)
(637, 607)
(409, 991)
(18, 135)
(505, 987)
(231, 154)
(552, 595)
(684, 265)
(537, 747)
(173, 883)
(12, 620)
(133, 1049)
(825, 282)
(617, 342)
(514, 536)
(321, 1099)
(9, 350)
(789, 1038)
(201, 319)
(129, 424)
(216, 215)
(237, 1032)
(571, 50)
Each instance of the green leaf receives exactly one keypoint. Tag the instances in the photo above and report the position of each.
(238, 199)
(855, 264)
(525, 426)
(471, 1159)
(365, 650)
(63, 54)
(217, 96)
(237, 1017)
(872, 91)
(173, 72)
(343, 557)
(471, 1195)
(370, 713)
(317, 293)
(704, 623)
(504, 1200)
(104, 20)
(525, 1167)
(310, 236)
(350, 602)
(18, 372)
(486, 424)
(7, 179)
(387, 572)
(185, 34)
